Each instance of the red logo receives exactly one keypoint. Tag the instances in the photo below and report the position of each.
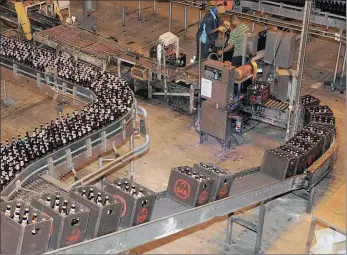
(182, 189)
(223, 191)
(52, 226)
(265, 94)
(253, 99)
(309, 160)
(142, 215)
(73, 238)
(120, 199)
(203, 197)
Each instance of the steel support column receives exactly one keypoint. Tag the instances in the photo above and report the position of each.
(230, 228)
(170, 15)
(199, 96)
(260, 228)
(310, 236)
(185, 20)
(300, 69)
(132, 171)
(337, 62)
(123, 13)
(310, 200)
(343, 66)
(139, 10)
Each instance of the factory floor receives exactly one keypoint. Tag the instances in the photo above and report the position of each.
(175, 142)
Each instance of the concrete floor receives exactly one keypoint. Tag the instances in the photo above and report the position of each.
(174, 142)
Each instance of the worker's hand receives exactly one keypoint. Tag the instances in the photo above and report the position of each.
(227, 24)
(222, 29)
(219, 53)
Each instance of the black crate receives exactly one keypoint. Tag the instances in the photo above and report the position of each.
(186, 187)
(327, 132)
(308, 148)
(318, 110)
(309, 100)
(138, 201)
(258, 93)
(19, 239)
(67, 229)
(279, 164)
(317, 140)
(103, 219)
(222, 180)
(323, 120)
(302, 157)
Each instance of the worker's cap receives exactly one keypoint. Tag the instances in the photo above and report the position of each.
(220, 8)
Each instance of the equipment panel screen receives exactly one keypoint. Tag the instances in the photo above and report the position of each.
(212, 73)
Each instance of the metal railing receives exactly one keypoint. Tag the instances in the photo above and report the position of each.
(74, 155)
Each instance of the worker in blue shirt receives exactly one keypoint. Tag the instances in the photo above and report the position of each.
(209, 29)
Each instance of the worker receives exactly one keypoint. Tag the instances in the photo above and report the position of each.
(209, 29)
(235, 42)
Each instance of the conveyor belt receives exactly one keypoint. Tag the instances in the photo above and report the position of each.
(255, 181)
(170, 217)
(250, 187)
(38, 21)
(80, 39)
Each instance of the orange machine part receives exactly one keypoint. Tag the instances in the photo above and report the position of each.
(228, 4)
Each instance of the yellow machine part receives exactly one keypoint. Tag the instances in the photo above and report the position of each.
(23, 20)
(57, 10)
(255, 69)
(228, 4)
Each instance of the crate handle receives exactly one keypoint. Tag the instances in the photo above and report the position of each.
(35, 231)
(144, 202)
(204, 186)
(225, 180)
(75, 221)
(109, 212)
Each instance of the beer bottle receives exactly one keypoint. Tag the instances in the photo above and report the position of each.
(99, 201)
(8, 211)
(34, 218)
(48, 201)
(73, 209)
(25, 220)
(107, 200)
(16, 217)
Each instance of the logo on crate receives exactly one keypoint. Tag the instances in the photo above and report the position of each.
(124, 207)
(142, 215)
(253, 99)
(223, 191)
(182, 189)
(75, 235)
(52, 226)
(309, 160)
(265, 94)
(203, 197)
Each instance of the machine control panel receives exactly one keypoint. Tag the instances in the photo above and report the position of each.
(213, 73)
(217, 82)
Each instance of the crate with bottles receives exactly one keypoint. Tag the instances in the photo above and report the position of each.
(105, 210)
(24, 229)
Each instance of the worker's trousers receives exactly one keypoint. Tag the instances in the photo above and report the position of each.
(204, 50)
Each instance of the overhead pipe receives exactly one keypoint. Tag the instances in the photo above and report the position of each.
(138, 151)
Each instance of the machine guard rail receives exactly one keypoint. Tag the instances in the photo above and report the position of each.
(130, 238)
(78, 153)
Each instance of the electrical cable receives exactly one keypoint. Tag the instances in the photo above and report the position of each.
(276, 51)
